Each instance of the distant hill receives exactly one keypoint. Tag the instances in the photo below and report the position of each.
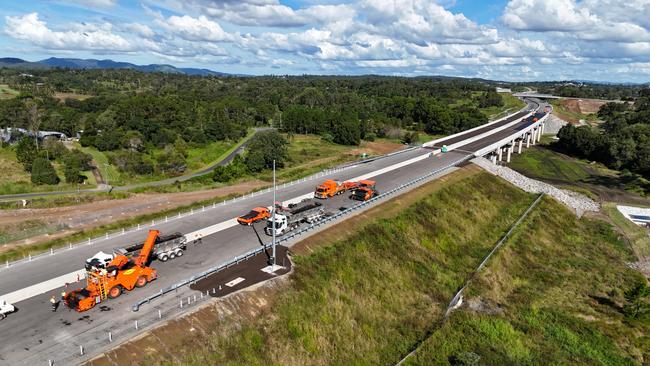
(17, 63)
(76, 63)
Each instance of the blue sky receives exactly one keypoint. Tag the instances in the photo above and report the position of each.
(604, 40)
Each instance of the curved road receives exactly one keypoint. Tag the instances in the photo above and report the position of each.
(35, 335)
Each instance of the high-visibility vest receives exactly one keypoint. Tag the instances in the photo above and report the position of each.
(52, 300)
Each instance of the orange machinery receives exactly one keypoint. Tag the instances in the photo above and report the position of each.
(364, 191)
(122, 273)
(331, 188)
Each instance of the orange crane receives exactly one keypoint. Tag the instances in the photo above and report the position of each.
(121, 273)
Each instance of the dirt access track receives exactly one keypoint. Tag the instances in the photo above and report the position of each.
(174, 339)
(94, 214)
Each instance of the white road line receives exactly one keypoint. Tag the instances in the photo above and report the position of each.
(43, 287)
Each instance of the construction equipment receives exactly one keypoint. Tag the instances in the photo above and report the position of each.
(255, 215)
(165, 248)
(121, 273)
(5, 308)
(331, 188)
(365, 191)
(306, 211)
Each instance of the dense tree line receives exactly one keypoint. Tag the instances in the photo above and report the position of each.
(622, 142)
(143, 120)
(584, 90)
(37, 160)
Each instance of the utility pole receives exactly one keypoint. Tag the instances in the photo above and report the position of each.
(274, 224)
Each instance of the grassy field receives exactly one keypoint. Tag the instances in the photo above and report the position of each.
(370, 298)
(6, 92)
(511, 105)
(552, 295)
(594, 179)
(14, 179)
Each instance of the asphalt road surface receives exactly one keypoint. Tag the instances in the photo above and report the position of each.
(34, 334)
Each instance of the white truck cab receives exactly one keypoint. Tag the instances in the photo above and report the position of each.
(281, 225)
(5, 308)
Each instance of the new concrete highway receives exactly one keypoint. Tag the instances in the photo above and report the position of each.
(34, 334)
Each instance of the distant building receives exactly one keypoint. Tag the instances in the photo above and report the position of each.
(10, 134)
(503, 90)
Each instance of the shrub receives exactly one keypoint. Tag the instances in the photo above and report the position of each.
(43, 172)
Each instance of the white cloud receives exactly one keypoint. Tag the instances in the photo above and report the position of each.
(194, 29)
(85, 37)
(95, 3)
(591, 20)
(141, 29)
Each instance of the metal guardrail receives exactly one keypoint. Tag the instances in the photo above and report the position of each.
(293, 234)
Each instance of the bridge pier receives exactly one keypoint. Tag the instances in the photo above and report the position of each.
(539, 133)
(521, 142)
(509, 152)
(500, 154)
(493, 157)
(534, 136)
(527, 140)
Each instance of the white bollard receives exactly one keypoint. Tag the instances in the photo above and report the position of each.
(159, 314)
(81, 350)
(181, 303)
(51, 251)
(110, 337)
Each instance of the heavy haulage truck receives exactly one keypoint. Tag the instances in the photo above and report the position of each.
(120, 274)
(165, 248)
(287, 219)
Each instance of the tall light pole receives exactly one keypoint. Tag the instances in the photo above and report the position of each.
(274, 224)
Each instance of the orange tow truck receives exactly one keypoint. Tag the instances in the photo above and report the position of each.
(255, 215)
(121, 273)
(331, 188)
(365, 191)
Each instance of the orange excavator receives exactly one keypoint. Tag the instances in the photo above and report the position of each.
(121, 273)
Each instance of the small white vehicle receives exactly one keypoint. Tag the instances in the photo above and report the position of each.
(5, 308)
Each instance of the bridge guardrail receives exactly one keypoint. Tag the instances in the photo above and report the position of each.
(294, 234)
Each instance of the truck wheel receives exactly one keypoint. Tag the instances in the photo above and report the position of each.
(172, 255)
(114, 292)
(163, 257)
(141, 281)
(179, 252)
(2, 316)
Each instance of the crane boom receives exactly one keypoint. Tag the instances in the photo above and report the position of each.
(145, 252)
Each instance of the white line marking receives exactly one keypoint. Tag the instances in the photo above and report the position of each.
(235, 282)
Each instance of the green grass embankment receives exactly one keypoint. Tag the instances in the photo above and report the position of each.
(370, 298)
(552, 294)
(542, 162)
